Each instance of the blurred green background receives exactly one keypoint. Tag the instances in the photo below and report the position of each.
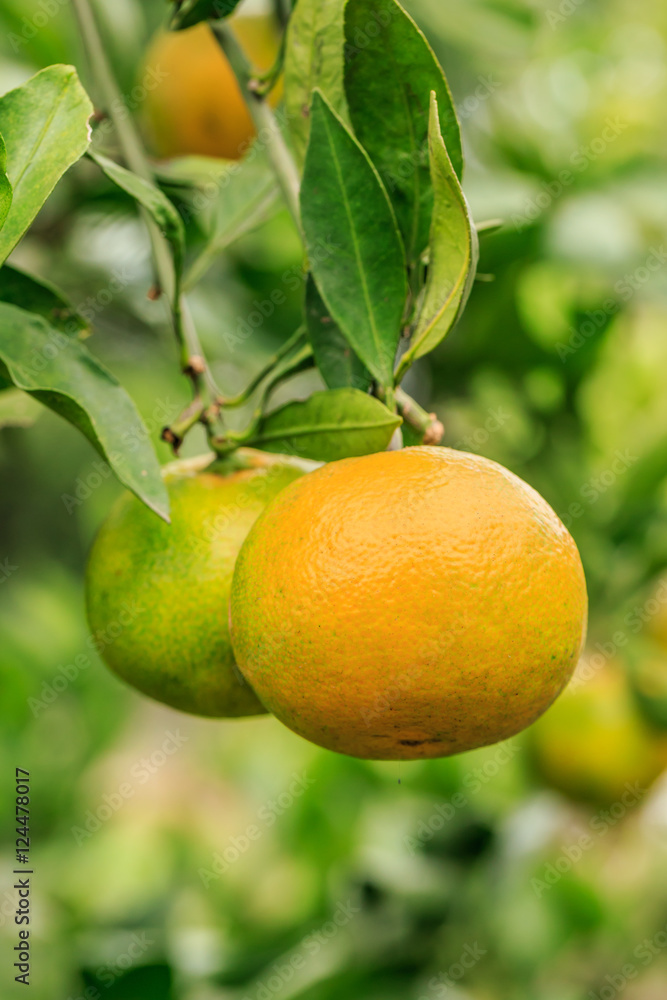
(244, 862)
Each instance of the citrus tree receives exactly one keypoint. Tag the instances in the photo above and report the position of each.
(367, 157)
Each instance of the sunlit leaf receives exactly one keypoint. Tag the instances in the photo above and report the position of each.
(390, 71)
(44, 124)
(453, 253)
(330, 425)
(59, 372)
(5, 185)
(353, 244)
(313, 59)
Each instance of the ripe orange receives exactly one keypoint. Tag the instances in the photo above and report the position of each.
(196, 106)
(593, 743)
(157, 594)
(408, 604)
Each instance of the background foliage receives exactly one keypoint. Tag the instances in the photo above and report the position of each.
(557, 370)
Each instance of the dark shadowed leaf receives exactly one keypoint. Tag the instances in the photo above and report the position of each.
(193, 11)
(338, 364)
(390, 71)
(313, 59)
(59, 372)
(37, 296)
(44, 124)
(453, 253)
(338, 423)
(344, 207)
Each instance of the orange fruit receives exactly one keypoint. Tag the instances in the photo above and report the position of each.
(157, 594)
(408, 604)
(593, 744)
(195, 105)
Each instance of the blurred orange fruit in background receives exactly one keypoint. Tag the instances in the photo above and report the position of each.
(197, 108)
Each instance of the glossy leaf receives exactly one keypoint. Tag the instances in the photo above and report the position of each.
(44, 124)
(59, 372)
(338, 423)
(390, 71)
(338, 364)
(453, 253)
(353, 244)
(5, 185)
(193, 11)
(37, 296)
(162, 211)
(313, 59)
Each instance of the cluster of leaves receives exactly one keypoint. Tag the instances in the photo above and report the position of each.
(374, 131)
(44, 127)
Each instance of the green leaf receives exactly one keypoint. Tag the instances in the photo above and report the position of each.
(353, 244)
(45, 127)
(334, 424)
(313, 59)
(37, 296)
(338, 364)
(244, 197)
(18, 409)
(193, 11)
(5, 185)
(453, 253)
(59, 372)
(161, 210)
(390, 71)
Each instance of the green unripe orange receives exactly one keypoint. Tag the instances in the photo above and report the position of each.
(593, 744)
(157, 593)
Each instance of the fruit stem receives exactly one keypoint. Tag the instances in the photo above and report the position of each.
(223, 444)
(191, 354)
(268, 131)
(297, 338)
(427, 424)
(174, 433)
(263, 83)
